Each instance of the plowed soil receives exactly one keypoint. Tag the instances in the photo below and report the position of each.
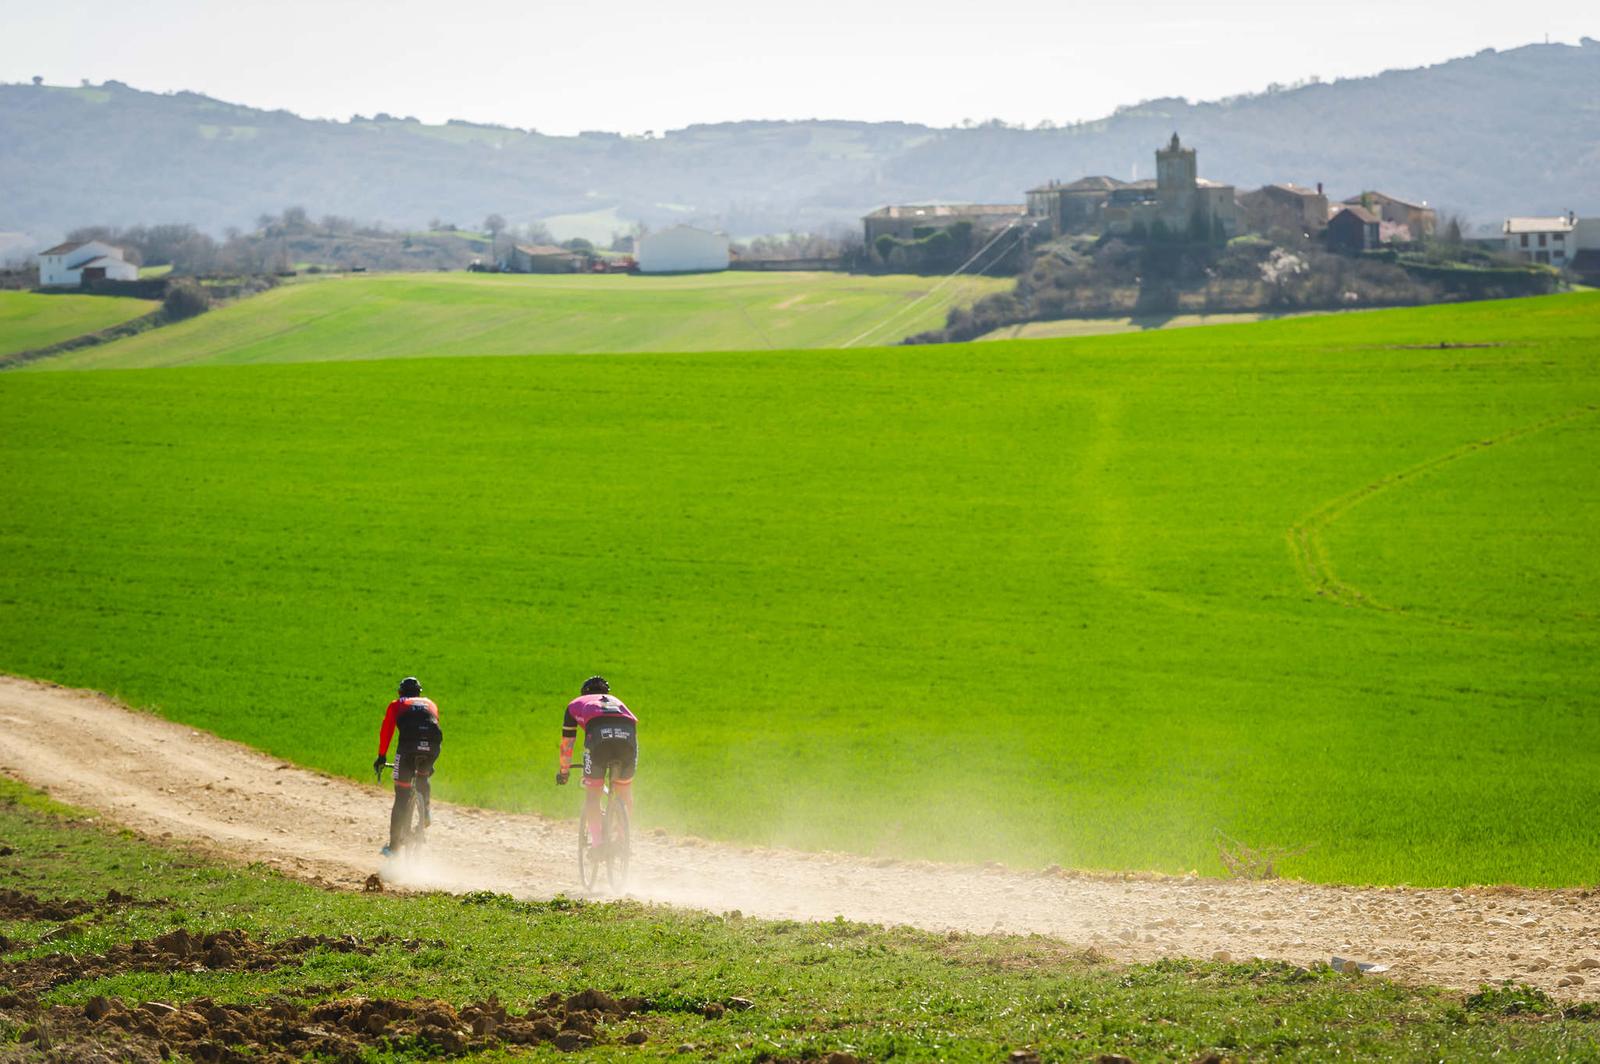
(342, 1030)
(166, 779)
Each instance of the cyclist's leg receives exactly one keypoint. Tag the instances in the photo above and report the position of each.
(594, 781)
(424, 784)
(622, 770)
(400, 813)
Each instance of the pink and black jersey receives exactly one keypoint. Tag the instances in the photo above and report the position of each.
(601, 717)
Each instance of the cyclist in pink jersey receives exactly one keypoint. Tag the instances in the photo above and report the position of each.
(610, 745)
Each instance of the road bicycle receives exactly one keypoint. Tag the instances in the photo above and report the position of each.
(418, 815)
(615, 849)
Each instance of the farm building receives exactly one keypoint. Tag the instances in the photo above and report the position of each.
(909, 222)
(1418, 219)
(682, 249)
(79, 262)
(1353, 229)
(1284, 206)
(1072, 206)
(540, 258)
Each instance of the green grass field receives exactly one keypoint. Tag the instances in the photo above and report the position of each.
(810, 988)
(29, 320)
(1312, 583)
(422, 315)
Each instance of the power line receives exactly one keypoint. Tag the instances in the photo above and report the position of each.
(935, 289)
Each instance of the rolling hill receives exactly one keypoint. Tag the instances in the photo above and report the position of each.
(1437, 133)
(411, 315)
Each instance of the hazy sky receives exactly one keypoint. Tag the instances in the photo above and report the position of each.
(633, 65)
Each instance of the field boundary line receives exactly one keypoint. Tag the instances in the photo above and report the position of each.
(1310, 552)
(154, 319)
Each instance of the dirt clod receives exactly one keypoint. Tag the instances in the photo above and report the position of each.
(15, 905)
(636, 1038)
(567, 1041)
(713, 1010)
(594, 1001)
(373, 885)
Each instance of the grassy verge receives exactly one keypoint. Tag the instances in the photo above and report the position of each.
(259, 953)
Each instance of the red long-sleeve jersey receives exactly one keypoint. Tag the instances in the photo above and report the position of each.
(395, 717)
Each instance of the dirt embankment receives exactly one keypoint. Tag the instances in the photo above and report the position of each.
(165, 779)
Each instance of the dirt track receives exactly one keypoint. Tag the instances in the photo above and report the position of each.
(163, 778)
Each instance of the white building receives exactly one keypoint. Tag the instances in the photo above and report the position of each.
(682, 249)
(69, 265)
(1552, 241)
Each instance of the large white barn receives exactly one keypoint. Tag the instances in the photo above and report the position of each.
(69, 265)
(682, 249)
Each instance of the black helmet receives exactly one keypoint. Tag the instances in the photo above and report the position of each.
(596, 685)
(410, 687)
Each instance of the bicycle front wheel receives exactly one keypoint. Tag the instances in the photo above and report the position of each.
(588, 864)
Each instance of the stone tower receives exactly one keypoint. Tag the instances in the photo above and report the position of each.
(1175, 168)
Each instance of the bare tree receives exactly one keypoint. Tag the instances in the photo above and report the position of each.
(496, 225)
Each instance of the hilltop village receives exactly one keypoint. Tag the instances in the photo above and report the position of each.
(1181, 243)
(1177, 205)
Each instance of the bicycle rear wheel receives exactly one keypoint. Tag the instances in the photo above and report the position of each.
(618, 852)
(416, 826)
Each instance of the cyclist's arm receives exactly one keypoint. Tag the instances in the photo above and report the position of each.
(386, 732)
(569, 738)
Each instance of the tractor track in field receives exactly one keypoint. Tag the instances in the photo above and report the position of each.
(1310, 553)
(169, 781)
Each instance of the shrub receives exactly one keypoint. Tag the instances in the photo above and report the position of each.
(185, 299)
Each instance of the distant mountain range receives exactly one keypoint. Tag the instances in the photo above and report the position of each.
(1497, 133)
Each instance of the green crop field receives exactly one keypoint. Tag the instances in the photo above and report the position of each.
(29, 320)
(1318, 584)
(419, 315)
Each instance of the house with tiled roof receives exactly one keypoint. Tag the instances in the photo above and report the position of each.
(1071, 206)
(81, 262)
(1417, 218)
(1284, 206)
(1552, 241)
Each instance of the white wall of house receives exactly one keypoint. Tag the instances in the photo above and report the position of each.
(65, 269)
(1587, 234)
(682, 249)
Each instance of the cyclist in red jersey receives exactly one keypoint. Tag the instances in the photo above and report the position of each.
(417, 720)
(610, 744)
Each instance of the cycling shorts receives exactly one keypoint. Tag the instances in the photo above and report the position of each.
(415, 759)
(609, 746)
